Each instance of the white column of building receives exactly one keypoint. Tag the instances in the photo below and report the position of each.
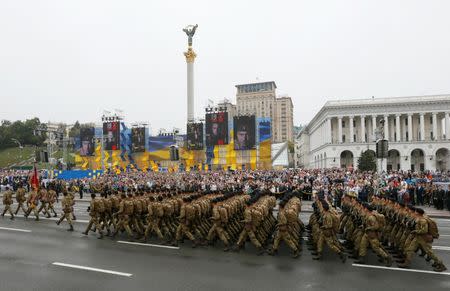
(422, 126)
(447, 125)
(397, 127)
(386, 127)
(374, 127)
(410, 135)
(363, 128)
(350, 121)
(329, 133)
(340, 129)
(435, 133)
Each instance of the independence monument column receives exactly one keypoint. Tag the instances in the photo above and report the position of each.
(190, 58)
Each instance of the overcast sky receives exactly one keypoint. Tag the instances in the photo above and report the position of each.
(69, 60)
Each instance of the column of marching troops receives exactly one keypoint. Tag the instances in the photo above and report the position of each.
(389, 228)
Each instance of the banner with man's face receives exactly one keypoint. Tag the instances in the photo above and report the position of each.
(195, 136)
(87, 141)
(111, 133)
(216, 128)
(138, 139)
(244, 132)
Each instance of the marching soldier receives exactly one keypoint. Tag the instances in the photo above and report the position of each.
(327, 234)
(423, 236)
(8, 201)
(33, 202)
(20, 199)
(66, 205)
(96, 208)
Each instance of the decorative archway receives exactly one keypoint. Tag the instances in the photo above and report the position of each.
(417, 160)
(393, 160)
(346, 159)
(442, 159)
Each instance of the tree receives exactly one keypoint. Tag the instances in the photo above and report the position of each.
(367, 161)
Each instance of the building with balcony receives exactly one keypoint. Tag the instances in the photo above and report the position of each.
(417, 128)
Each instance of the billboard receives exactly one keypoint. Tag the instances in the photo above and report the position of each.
(86, 147)
(195, 136)
(111, 133)
(216, 128)
(138, 139)
(244, 132)
(264, 129)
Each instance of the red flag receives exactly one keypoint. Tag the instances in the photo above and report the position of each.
(35, 178)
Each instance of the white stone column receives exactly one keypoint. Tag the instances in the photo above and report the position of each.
(410, 135)
(350, 121)
(374, 127)
(422, 126)
(340, 129)
(435, 128)
(363, 128)
(397, 127)
(190, 58)
(329, 132)
(447, 125)
(386, 127)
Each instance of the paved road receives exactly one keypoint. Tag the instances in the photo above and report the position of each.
(29, 251)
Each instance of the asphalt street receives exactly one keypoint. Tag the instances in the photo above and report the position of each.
(43, 256)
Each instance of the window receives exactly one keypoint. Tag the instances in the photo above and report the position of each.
(431, 135)
(395, 122)
(406, 121)
(407, 138)
(354, 137)
(354, 123)
(343, 138)
(343, 124)
(431, 119)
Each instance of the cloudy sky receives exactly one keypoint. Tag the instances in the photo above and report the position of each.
(69, 60)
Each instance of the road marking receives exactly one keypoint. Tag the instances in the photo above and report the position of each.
(92, 269)
(52, 218)
(441, 248)
(148, 245)
(15, 229)
(399, 269)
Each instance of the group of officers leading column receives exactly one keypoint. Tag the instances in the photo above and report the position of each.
(389, 228)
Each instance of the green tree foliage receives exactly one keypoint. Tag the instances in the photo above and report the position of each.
(75, 130)
(367, 161)
(23, 131)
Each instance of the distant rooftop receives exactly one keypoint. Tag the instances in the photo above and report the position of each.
(387, 100)
(256, 87)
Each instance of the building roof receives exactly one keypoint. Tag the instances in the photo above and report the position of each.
(386, 100)
(269, 82)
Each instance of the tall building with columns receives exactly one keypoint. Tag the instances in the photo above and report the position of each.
(417, 128)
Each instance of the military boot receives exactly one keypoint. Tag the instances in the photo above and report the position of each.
(439, 268)
(271, 252)
(343, 257)
(261, 251)
(70, 228)
(361, 260)
(388, 262)
(317, 257)
(406, 263)
(295, 254)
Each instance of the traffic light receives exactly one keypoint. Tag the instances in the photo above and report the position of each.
(382, 149)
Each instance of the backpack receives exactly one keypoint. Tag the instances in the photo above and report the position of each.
(432, 227)
(137, 206)
(190, 212)
(159, 210)
(99, 205)
(223, 214)
(128, 207)
(115, 202)
(381, 221)
(108, 204)
(335, 218)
